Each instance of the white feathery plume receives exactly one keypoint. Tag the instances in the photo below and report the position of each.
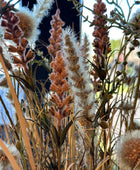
(84, 95)
(41, 9)
(30, 23)
(79, 78)
(30, 19)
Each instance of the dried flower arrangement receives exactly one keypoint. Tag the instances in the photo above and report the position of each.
(87, 119)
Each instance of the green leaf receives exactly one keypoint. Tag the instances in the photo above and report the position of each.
(55, 135)
(45, 122)
(26, 84)
(64, 132)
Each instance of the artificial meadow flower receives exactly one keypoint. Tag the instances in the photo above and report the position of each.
(28, 24)
(79, 77)
(128, 150)
(59, 85)
(30, 19)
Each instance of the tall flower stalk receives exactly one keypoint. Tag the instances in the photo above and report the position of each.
(60, 99)
(79, 79)
(101, 44)
(59, 87)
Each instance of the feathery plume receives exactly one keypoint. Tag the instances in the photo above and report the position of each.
(79, 77)
(128, 150)
(29, 25)
(41, 9)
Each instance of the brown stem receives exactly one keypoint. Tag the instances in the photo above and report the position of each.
(59, 147)
(135, 101)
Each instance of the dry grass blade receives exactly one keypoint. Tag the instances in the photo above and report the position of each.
(70, 166)
(19, 113)
(9, 156)
(103, 162)
(84, 114)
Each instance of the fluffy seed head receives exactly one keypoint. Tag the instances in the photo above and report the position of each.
(128, 150)
(26, 24)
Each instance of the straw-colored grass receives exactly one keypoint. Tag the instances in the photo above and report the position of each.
(79, 122)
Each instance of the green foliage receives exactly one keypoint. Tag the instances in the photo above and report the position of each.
(115, 44)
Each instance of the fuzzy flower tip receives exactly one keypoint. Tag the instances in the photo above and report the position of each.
(28, 24)
(30, 20)
(41, 9)
(79, 77)
(128, 151)
(56, 31)
(4, 162)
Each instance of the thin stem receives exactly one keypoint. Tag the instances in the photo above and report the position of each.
(59, 149)
(116, 5)
(135, 101)
(19, 113)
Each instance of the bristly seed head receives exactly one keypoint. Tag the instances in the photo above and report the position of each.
(128, 150)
